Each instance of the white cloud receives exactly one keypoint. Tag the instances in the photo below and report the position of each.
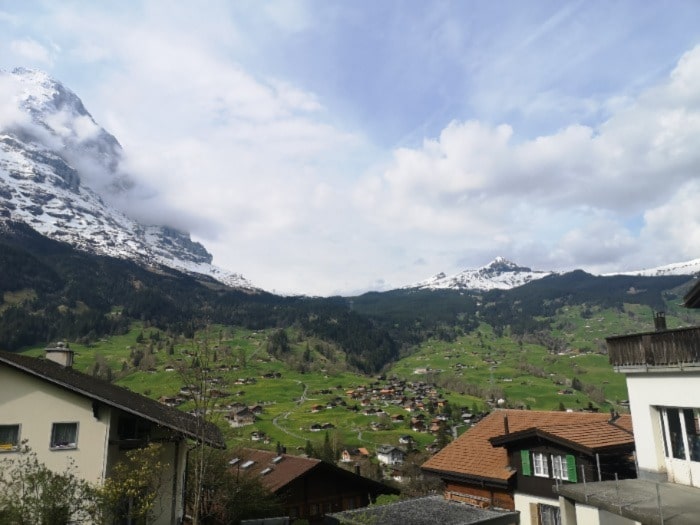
(31, 51)
(574, 189)
(263, 168)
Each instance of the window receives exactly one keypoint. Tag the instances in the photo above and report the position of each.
(548, 515)
(9, 438)
(681, 433)
(64, 435)
(539, 463)
(559, 467)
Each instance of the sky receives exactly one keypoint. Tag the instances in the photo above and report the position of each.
(328, 147)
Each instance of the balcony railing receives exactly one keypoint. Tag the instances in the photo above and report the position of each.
(664, 348)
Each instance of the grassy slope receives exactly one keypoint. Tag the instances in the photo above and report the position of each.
(523, 373)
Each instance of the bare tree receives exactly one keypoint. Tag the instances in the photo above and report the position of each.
(197, 375)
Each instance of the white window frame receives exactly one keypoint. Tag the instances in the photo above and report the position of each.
(681, 441)
(72, 446)
(560, 467)
(540, 465)
(13, 447)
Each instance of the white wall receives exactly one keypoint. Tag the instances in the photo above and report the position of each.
(650, 390)
(523, 501)
(586, 515)
(36, 405)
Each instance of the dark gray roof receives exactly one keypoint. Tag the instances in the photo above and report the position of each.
(429, 510)
(116, 396)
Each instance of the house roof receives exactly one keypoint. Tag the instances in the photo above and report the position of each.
(115, 396)
(473, 456)
(426, 510)
(281, 469)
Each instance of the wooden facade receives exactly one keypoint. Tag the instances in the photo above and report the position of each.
(480, 495)
(676, 347)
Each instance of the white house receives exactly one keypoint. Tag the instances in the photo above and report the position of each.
(63, 413)
(662, 369)
(390, 455)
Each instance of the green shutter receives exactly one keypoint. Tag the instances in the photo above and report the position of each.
(525, 459)
(571, 468)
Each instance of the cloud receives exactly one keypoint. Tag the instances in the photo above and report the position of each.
(264, 131)
(31, 51)
(574, 190)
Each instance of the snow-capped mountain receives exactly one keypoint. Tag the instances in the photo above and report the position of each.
(681, 268)
(60, 173)
(499, 274)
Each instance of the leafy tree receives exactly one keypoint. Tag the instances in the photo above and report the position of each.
(131, 493)
(31, 493)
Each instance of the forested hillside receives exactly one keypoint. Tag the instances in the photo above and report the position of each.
(51, 291)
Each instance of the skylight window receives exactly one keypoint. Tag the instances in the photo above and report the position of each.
(277, 459)
(234, 461)
(265, 471)
(248, 464)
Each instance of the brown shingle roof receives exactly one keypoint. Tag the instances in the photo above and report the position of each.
(115, 396)
(285, 470)
(473, 456)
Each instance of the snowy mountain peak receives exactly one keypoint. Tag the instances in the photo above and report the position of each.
(61, 174)
(500, 274)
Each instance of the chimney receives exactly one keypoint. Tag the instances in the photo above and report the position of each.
(60, 353)
(505, 424)
(357, 469)
(659, 321)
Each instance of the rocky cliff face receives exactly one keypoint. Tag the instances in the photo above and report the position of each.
(61, 174)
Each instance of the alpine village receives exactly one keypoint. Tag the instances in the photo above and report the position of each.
(141, 385)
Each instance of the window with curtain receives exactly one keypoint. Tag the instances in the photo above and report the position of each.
(9, 438)
(64, 435)
(540, 465)
(560, 467)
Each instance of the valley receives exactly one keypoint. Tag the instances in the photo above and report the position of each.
(307, 391)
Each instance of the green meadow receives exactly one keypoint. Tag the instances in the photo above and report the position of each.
(474, 372)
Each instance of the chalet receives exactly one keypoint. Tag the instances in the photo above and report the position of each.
(349, 455)
(511, 459)
(406, 439)
(239, 417)
(256, 409)
(309, 488)
(390, 455)
(65, 415)
(662, 371)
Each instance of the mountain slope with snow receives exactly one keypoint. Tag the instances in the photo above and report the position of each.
(60, 173)
(682, 268)
(499, 274)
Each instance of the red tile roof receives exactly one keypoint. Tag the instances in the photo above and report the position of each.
(472, 455)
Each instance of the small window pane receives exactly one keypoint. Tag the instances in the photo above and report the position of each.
(674, 429)
(559, 467)
(9, 437)
(64, 435)
(549, 515)
(692, 432)
(540, 465)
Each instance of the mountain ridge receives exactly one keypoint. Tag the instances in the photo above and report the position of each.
(59, 170)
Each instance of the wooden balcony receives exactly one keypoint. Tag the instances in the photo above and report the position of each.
(665, 348)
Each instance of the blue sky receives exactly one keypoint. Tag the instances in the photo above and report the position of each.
(327, 147)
